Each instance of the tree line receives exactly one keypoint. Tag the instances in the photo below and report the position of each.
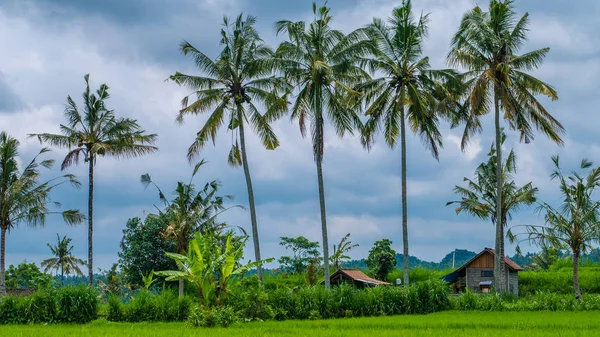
(373, 80)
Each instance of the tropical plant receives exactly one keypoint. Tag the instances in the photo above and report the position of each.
(339, 251)
(408, 90)
(93, 131)
(26, 276)
(63, 259)
(304, 251)
(575, 224)
(233, 88)
(382, 259)
(478, 198)
(210, 265)
(190, 212)
(320, 63)
(149, 280)
(24, 199)
(486, 46)
(143, 248)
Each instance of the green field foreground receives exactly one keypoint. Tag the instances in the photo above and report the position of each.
(446, 324)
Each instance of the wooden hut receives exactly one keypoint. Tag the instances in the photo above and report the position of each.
(478, 274)
(354, 277)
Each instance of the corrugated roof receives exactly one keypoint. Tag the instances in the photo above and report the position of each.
(509, 263)
(358, 275)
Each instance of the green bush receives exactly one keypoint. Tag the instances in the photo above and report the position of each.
(250, 301)
(541, 301)
(65, 305)
(559, 281)
(208, 318)
(150, 307)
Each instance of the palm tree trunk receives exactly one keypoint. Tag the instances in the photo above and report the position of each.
(576, 275)
(3, 262)
(499, 255)
(181, 284)
(91, 223)
(404, 197)
(253, 221)
(62, 276)
(319, 158)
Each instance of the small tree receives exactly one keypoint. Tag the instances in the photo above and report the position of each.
(575, 224)
(26, 276)
(304, 251)
(339, 251)
(63, 259)
(382, 259)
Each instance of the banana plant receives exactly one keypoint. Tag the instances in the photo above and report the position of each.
(210, 265)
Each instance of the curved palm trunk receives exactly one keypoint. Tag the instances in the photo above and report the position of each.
(499, 242)
(253, 221)
(404, 201)
(576, 275)
(3, 262)
(319, 159)
(91, 224)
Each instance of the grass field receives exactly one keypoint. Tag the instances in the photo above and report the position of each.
(446, 324)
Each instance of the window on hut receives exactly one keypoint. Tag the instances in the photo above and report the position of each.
(487, 273)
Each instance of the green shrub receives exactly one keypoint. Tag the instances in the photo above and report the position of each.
(250, 301)
(150, 307)
(559, 281)
(115, 309)
(208, 318)
(77, 304)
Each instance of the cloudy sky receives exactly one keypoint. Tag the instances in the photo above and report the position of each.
(47, 46)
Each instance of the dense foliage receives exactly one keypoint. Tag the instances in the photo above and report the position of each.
(149, 307)
(303, 252)
(382, 259)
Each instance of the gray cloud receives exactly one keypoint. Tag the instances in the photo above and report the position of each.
(9, 100)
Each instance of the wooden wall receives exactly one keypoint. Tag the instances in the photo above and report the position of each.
(486, 260)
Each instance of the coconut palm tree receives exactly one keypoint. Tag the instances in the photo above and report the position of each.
(232, 88)
(320, 63)
(479, 197)
(486, 46)
(92, 131)
(406, 90)
(191, 211)
(63, 259)
(24, 199)
(575, 224)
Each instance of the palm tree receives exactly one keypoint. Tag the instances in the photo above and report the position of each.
(479, 197)
(63, 259)
(339, 251)
(96, 131)
(232, 88)
(23, 198)
(320, 63)
(191, 211)
(486, 46)
(407, 90)
(574, 225)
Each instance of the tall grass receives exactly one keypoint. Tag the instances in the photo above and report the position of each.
(150, 307)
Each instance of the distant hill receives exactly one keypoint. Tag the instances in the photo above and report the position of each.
(460, 257)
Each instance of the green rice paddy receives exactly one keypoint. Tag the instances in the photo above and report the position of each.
(446, 324)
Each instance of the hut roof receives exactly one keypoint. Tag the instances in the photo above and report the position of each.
(509, 263)
(358, 276)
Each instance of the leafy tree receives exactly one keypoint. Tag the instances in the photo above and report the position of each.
(26, 276)
(382, 259)
(408, 90)
(486, 45)
(232, 88)
(24, 199)
(304, 251)
(113, 283)
(93, 131)
(320, 63)
(575, 224)
(478, 198)
(339, 251)
(143, 248)
(63, 259)
(191, 211)
(210, 265)
(545, 258)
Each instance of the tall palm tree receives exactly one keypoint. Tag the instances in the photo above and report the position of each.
(407, 90)
(479, 197)
(24, 199)
(574, 225)
(232, 89)
(95, 131)
(486, 46)
(63, 259)
(321, 64)
(191, 211)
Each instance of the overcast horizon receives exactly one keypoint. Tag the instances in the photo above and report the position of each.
(133, 46)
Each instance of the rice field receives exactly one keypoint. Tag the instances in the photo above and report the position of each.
(446, 324)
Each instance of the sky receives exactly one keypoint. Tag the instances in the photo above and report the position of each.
(47, 46)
